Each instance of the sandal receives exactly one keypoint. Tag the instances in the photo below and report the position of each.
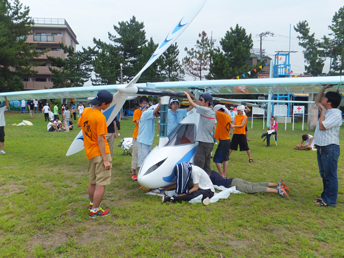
(318, 201)
(250, 160)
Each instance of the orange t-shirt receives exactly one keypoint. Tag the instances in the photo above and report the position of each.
(238, 121)
(93, 124)
(223, 126)
(136, 116)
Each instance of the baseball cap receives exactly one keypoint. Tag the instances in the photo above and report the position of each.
(102, 96)
(174, 100)
(208, 97)
(241, 108)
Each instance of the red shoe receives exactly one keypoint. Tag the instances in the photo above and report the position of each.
(99, 213)
(133, 177)
(284, 185)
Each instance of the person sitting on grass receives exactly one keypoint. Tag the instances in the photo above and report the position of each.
(309, 144)
(58, 123)
(249, 187)
(52, 126)
(201, 184)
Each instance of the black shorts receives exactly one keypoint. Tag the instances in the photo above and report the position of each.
(2, 133)
(239, 139)
(51, 129)
(118, 124)
(222, 151)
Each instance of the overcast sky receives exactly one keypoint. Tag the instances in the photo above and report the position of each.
(90, 19)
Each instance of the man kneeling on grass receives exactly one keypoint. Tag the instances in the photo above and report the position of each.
(201, 184)
(249, 187)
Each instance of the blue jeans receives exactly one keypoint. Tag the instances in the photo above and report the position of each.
(327, 163)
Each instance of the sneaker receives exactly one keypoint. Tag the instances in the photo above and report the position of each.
(165, 199)
(119, 134)
(281, 183)
(99, 213)
(206, 201)
(90, 207)
(282, 192)
(133, 177)
(2, 152)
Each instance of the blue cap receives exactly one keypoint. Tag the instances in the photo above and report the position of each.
(102, 96)
(208, 97)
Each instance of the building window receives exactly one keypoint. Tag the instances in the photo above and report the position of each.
(40, 49)
(25, 79)
(38, 79)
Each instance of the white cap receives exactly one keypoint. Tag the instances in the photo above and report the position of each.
(174, 100)
(241, 108)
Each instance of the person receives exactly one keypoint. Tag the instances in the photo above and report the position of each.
(111, 135)
(58, 123)
(175, 115)
(136, 119)
(52, 126)
(32, 108)
(35, 102)
(80, 108)
(74, 111)
(118, 122)
(326, 140)
(23, 105)
(2, 125)
(249, 187)
(233, 113)
(272, 130)
(222, 135)
(145, 136)
(200, 180)
(97, 150)
(66, 118)
(307, 139)
(46, 110)
(205, 129)
(247, 109)
(56, 112)
(239, 137)
(28, 105)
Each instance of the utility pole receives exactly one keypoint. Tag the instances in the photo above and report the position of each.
(261, 35)
(121, 72)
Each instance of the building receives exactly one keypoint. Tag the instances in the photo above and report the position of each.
(48, 33)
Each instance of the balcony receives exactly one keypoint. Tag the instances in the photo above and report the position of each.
(42, 70)
(37, 85)
(44, 39)
(60, 54)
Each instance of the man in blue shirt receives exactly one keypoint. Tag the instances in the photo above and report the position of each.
(146, 131)
(175, 115)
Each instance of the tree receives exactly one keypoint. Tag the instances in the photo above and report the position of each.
(72, 71)
(197, 61)
(231, 60)
(15, 55)
(334, 47)
(172, 68)
(312, 49)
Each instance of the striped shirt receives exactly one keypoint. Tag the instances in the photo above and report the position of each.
(332, 123)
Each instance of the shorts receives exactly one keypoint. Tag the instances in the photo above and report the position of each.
(51, 129)
(2, 133)
(31, 112)
(239, 139)
(143, 150)
(222, 151)
(118, 124)
(97, 174)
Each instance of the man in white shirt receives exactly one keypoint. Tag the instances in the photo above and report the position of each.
(326, 140)
(2, 126)
(23, 105)
(35, 102)
(306, 143)
(80, 108)
(46, 110)
(201, 184)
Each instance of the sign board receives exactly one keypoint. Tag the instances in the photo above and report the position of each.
(299, 110)
(280, 110)
(258, 111)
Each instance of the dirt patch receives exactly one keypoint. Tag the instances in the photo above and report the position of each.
(11, 189)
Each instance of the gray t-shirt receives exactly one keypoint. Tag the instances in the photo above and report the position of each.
(67, 115)
(206, 124)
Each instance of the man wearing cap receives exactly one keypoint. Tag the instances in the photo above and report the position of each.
(51, 127)
(94, 129)
(136, 119)
(205, 130)
(175, 115)
(222, 135)
(239, 136)
(146, 131)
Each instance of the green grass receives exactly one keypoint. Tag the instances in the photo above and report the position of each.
(44, 201)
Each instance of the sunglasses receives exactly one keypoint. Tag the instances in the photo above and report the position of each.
(201, 99)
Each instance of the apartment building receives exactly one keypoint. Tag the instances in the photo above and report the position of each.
(48, 33)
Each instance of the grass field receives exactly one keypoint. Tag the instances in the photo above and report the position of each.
(44, 202)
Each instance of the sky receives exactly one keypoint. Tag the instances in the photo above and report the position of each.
(90, 18)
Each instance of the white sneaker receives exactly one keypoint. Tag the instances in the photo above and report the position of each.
(206, 201)
(2, 152)
(119, 134)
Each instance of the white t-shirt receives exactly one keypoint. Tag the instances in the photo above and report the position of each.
(50, 124)
(308, 140)
(81, 109)
(35, 103)
(2, 116)
(23, 103)
(200, 177)
(46, 109)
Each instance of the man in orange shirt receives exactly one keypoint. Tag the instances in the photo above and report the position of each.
(94, 129)
(239, 136)
(136, 119)
(222, 135)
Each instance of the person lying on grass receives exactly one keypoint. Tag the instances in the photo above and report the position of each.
(249, 187)
(201, 184)
(307, 139)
